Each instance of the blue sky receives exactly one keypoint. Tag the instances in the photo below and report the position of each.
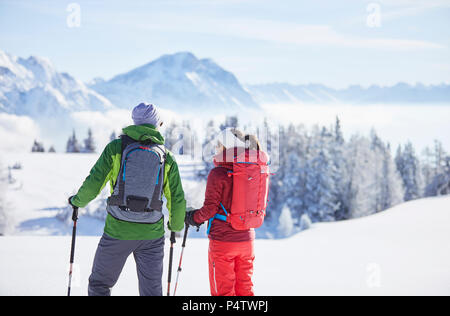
(260, 41)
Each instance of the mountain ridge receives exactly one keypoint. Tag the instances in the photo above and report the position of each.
(182, 82)
(401, 92)
(178, 80)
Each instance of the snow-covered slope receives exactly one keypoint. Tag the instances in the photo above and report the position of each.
(179, 82)
(402, 251)
(400, 93)
(33, 87)
(37, 197)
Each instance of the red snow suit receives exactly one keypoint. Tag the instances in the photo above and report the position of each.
(231, 252)
(231, 268)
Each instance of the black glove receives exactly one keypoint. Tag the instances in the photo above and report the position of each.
(70, 201)
(75, 209)
(189, 219)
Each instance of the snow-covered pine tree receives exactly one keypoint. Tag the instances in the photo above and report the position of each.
(427, 166)
(72, 144)
(388, 186)
(3, 215)
(277, 188)
(172, 137)
(437, 171)
(340, 175)
(409, 168)
(321, 192)
(361, 192)
(189, 140)
(37, 147)
(89, 144)
(230, 122)
(439, 157)
(392, 192)
(338, 135)
(208, 149)
(441, 182)
(285, 223)
(305, 222)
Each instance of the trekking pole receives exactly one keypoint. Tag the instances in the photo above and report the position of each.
(181, 257)
(172, 241)
(72, 250)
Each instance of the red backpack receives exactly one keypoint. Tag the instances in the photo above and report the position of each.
(250, 189)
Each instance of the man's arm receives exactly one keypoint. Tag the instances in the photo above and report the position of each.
(173, 191)
(98, 176)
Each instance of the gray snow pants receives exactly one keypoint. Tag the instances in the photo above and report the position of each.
(111, 256)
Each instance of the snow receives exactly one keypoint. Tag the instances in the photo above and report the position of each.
(402, 251)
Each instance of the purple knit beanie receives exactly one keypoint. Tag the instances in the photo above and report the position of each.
(146, 114)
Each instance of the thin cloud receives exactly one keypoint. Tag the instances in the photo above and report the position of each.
(317, 35)
(272, 31)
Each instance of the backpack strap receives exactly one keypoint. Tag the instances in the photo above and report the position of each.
(126, 140)
(217, 216)
(156, 202)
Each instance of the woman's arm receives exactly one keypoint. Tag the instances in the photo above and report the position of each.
(213, 196)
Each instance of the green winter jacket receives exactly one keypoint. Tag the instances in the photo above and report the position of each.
(106, 169)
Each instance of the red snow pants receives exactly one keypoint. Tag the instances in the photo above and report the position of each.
(231, 268)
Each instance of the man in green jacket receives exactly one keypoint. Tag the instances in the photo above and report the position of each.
(121, 238)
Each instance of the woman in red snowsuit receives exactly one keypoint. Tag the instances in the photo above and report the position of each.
(231, 252)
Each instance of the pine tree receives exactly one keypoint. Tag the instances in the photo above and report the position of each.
(362, 189)
(189, 140)
(428, 172)
(392, 192)
(3, 215)
(285, 223)
(72, 144)
(172, 138)
(440, 185)
(230, 122)
(439, 157)
(37, 147)
(409, 168)
(89, 144)
(208, 150)
(388, 187)
(339, 137)
(340, 176)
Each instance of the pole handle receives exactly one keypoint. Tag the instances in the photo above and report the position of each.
(185, 235)
(75, 213)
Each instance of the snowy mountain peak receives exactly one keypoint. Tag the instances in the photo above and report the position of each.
(179, 81)
(178, 60)
(41, 68)
(33, 87)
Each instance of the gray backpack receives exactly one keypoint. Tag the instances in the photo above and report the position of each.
(137, 195)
